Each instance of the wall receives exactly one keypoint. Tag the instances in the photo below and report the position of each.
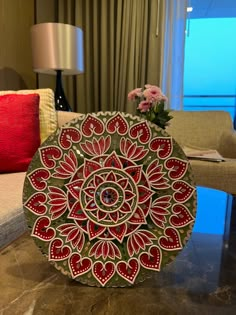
(45, 11)
(16, 18)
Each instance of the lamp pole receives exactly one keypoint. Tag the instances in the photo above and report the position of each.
(61, 102)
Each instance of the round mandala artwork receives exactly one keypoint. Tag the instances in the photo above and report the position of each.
(109, 198)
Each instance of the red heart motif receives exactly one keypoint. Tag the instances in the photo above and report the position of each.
(79, 266)
(163, 146)
(182, 217)
(152, 259)
(117, 124)
(177, 167)
(92, 125)
(103, 272)
(36, 204)
(183, 191)
(42, 230)
(68, 136)
(49, 154)
(171, 241)
(142, 131)
(57, 251)
(128, 270)
(38, 178)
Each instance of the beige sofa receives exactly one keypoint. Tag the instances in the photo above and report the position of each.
(205, 129)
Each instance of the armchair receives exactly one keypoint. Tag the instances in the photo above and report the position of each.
(212, 130)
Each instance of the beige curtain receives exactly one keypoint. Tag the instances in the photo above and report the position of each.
(121, 50)
(172, 52)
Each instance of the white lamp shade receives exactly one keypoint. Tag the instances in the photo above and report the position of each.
(57, 46)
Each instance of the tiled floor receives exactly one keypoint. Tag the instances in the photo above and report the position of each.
(201, 280)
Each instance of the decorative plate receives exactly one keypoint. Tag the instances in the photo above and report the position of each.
(109, 198)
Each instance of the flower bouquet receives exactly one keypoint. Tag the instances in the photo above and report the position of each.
(150, 103)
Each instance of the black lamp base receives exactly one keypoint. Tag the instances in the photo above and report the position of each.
(61, 102)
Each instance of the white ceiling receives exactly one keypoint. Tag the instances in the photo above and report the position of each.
(212, 8)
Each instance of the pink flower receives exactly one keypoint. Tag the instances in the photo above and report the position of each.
(153, 94)
(144, 106)
(135, 93)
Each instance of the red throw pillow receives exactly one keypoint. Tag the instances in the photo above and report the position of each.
(19, 131)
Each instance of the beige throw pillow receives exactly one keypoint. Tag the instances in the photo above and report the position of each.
(47, 112)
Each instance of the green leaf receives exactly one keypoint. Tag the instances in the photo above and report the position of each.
(152, 116)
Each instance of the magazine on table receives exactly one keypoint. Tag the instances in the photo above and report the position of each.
(203, 154)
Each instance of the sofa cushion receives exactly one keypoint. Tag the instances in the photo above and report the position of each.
(47, 112)
(12, 219)
(19, 131)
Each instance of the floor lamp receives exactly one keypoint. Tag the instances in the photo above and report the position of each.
(57, 49)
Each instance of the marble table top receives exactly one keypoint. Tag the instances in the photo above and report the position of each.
(201, 280)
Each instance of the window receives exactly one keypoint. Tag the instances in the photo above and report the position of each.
(209, 84)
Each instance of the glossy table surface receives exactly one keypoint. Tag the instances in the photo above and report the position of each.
(201, 280)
